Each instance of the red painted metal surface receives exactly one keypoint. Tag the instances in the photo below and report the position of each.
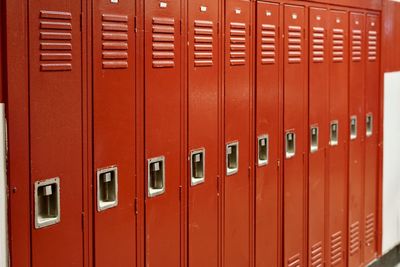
(163, 128)
(295, 114)
(319, 132)
(237, 187)
(55, 97)
(113, 127)
(368, 4)
(268, 110)
(337, 178)
(203, 110)
(356, 146)
(372, 96)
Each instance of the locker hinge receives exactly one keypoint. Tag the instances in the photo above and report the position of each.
(80, 21)
(136, 206)
(218, 27)
(180, 193)
(180, 26)
(218, 185)
(249, 172)
(279, 163)
(83, 221)
(135, 23)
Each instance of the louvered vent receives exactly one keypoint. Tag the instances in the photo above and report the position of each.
(55, 41)
(238, 44)
(372, 45)
(203, 43)
(268, 44)
(316, 255)
(356, 45)
(370, 229)
(318, 44)
(336, 248)
(338, 45)
(163, 42)
(294, 261)
(115, 41)
(295, 44)
(354, 238)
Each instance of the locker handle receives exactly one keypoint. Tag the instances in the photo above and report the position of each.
(107, 188)
(353, 128)
(156, 176)
(290, 144)
(263, 149)
(232, 158)
(197, 166)
(314, 134)
(369, 125)
(334, 133)
(47, 202)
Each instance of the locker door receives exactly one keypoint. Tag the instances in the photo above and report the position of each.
(162, 132)
(336, 248)
(295, 135)
(55, 89)
(114, 132)
(372, 85)
(318, 133)
(357, 133)
(237, 134)
(268, 134)
(203, 108)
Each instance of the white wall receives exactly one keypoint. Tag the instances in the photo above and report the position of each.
(391, 162)
(3, 192)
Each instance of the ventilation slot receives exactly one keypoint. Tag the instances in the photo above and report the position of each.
(336, 248)
(354, 238)
(203, 43)
(318, 44)
(163, 42)
(370, 229)
(294, 44)
(268, 45)
(372, 45)
(338, 45)
(356, 45)
(294, 261)
(238, 44)
(115, 41)
(55, 41)
(316, 255)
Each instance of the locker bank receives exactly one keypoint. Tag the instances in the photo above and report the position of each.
(218, 133)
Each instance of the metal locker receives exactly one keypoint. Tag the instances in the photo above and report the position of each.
(203, 121)
(268, 132)
(295, 135)
(237, 182)
(55, 98)
(337, 159)
(318, 133)
(357, 136)
(114, 132)
(372, 118)
(163, 132)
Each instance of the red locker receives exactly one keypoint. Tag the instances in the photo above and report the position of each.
(318, 132)
(114, 132)
(203, 120)
(268, 132)
(357, 133)
(372, 105)
(336, 234)
(237, 183)
(163, 132)
(55, 94)
(295, 135)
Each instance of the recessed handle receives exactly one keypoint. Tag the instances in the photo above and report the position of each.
(263, 150)
(197, 166)
(314, 133)
(232, 158)
(156, 176)
(107, 188)
(334, 133)
(290, 144)
(47, 202)
(353, 128)
(369, 125)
